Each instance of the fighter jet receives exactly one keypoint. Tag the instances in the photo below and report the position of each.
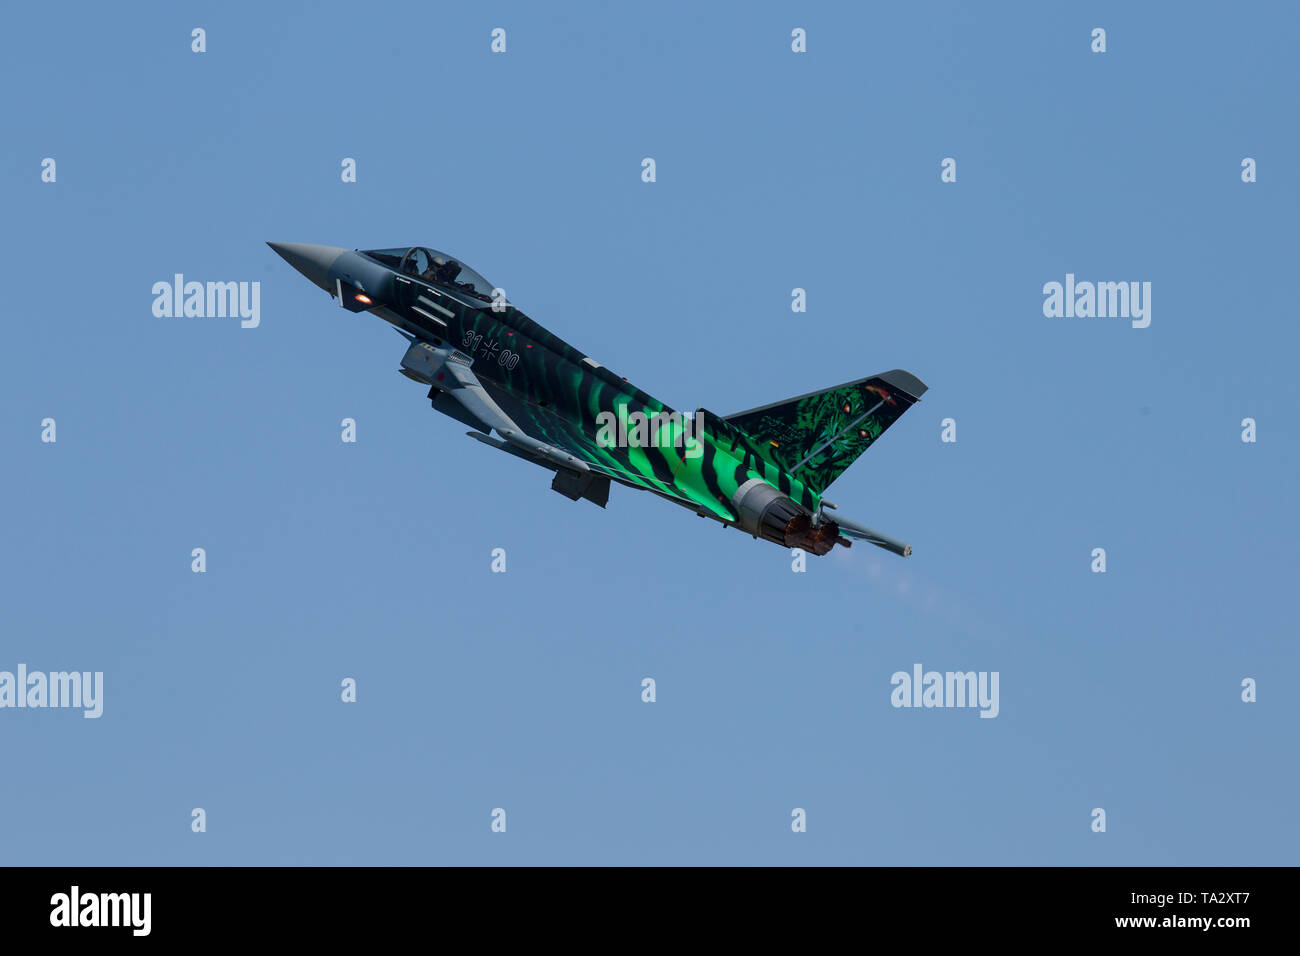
(526, 392)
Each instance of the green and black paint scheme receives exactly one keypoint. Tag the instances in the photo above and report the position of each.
(528, 393)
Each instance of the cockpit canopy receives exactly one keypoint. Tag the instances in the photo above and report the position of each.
(435, 267)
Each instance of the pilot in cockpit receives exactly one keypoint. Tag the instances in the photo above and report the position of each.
(442, 270)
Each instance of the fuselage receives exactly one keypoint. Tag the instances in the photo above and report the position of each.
(535, 373)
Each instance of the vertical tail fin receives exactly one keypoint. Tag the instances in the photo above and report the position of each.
(815, 437)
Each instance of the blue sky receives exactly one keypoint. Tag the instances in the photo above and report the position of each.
(522, 690)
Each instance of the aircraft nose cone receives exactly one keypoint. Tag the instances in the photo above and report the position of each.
(312, 261)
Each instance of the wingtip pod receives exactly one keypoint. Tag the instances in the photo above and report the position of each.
(862, 533)
(884, 541)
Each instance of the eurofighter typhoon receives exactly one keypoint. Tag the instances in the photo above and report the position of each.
(526, 392)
